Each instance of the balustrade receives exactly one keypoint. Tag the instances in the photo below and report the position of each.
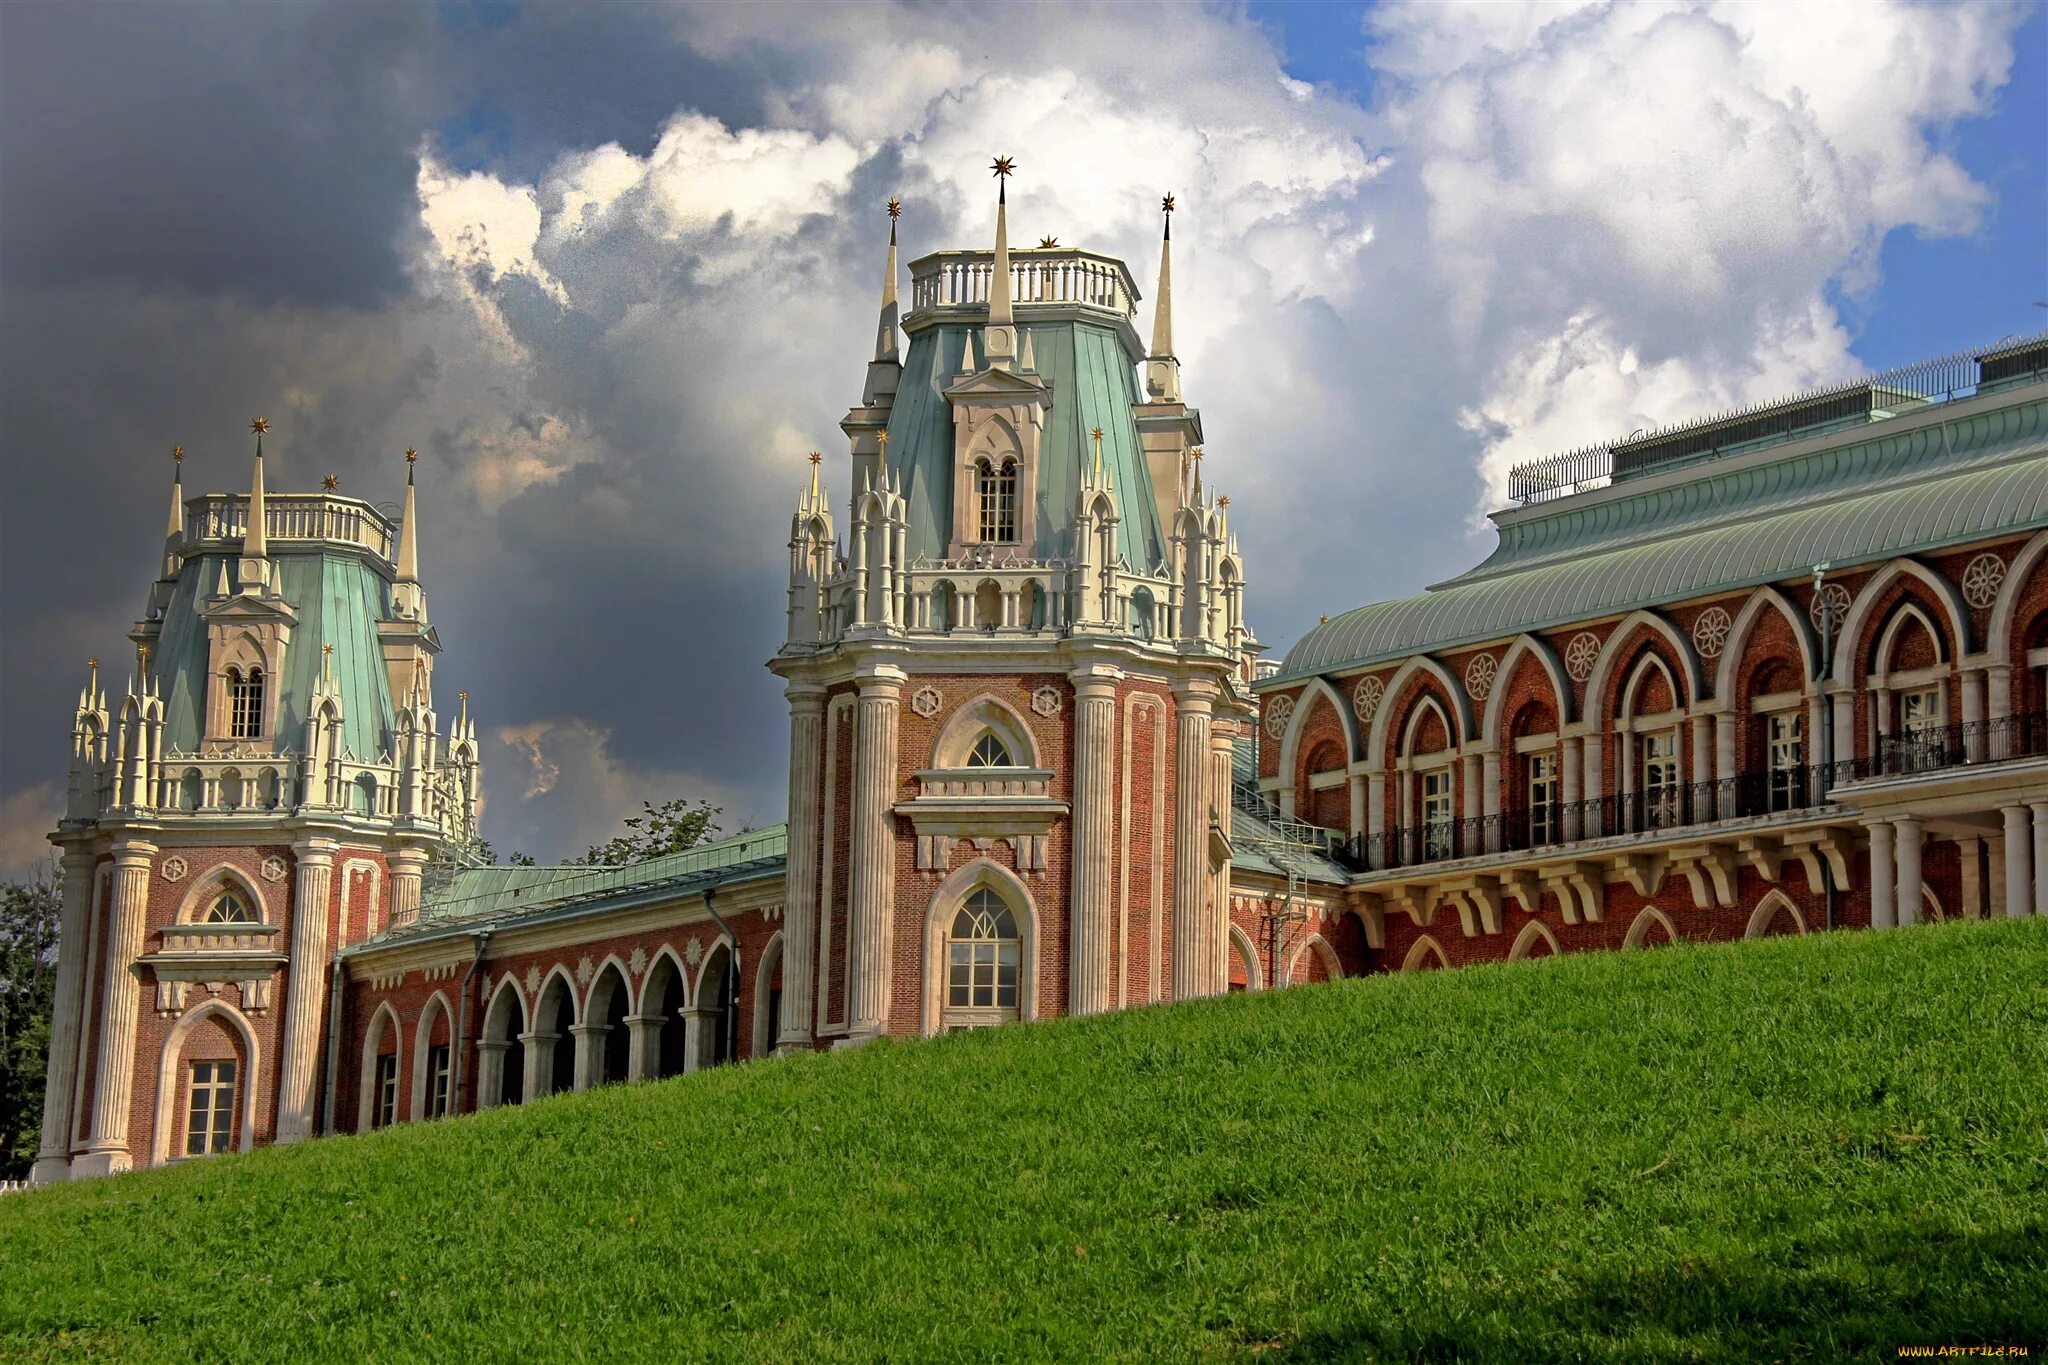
(225, 516)
(951, 280)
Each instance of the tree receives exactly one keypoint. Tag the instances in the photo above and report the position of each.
(29, 912)
(669, 827)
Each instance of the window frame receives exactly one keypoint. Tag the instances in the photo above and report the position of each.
(1436, 811)
(972, 1001)
(1542, 788)
(245, 702)
(384, 1090)
(995, 488)
(1663, 778)
(440, 1058)
(211, 1124)
(1784, 759)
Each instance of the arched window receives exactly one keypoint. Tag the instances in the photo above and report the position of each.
(989, 752)
(995, 488)
(229, 908)
(982, 954)
(245, 703)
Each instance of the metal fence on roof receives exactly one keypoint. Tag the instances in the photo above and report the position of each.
(1869, 399)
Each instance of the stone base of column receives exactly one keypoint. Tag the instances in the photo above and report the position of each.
(856, 1040)
(89, 1164)
(285, 1137)
(50, 1170)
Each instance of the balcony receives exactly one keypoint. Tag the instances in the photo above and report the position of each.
(1755, 795)
(948, 283)
(214, 518)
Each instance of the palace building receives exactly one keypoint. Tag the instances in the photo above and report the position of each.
(1775, 672)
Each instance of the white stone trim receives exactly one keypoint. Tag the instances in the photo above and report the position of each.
(1888, 640)
(423, 1034)
(1322, 949)
(764, 975)
(1254, 975)
(1534, 932)
(1423, 949)
(372, 1037)
(649, 1002)
(1999, 637)
(1622, 636)
(1849, 643)
(1767, 910)
(169, 1064)
(1460, 733)
(1524, 646)
(1639, 928)
(205, 885)
(945, 900)
(984, 712)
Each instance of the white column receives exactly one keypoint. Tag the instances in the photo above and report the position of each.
(1357, 792)
(1969, 855)
(1911, 834)
(407, 868)
(1221, 739)
(1489, 801)
(589, 1054)
(1973, 715)
(305, 990)
(1703, 771)
(2019, 861)
(540, 1063)
(1376, 819)
(114, 1073)
(1571, 769)
(700, 1038)
(1089, 906)
(1191, 838)
(1846, 745)
(800, 901)
(2040, 857)
(872, 912)
(1883, 869)
(490, 1071)
(1994, 875)
(643, 1039)
(67, 1008)
(1593, 787)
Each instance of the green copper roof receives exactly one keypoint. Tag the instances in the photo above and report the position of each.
(1721, 527)
(499, 895)
(339, 598)
(1093, 384)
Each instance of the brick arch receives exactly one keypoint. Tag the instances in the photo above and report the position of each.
(1908, 639)
(2006, 628)
(1411, 680)
(1899, 578)
(1618, 655)
(1774, 907)
(1757, 614)
(1648, 688)
(1535, 940)
(1425, 955)
(1648, 922)
(169, 1068)
(1527, 655)
(436, 1016)
(1314, 695)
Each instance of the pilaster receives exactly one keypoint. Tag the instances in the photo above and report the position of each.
(873, 852)
(1088, 968)
(1883, 874)
(305, 993)
(114, 1076)
(2019, 861)
(53, 1157)
(1191, 954)
(800, 904)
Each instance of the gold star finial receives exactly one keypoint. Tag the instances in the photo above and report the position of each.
(1047, 243)
(882, 440)
(816, 458)
(177, 454)
(1196, 453)
(1325, 618)
(411, 456)
(1223, 501)
(1004, 166)
(259, 425)
(1166, 204)
(895, 207)
(92, 663)
(330, 482)
(143, 651)
(327, 649)
(462, 696)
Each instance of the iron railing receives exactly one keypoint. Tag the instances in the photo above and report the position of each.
(1855, 402)
(1653, 811)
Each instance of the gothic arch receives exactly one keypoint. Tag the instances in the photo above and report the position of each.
(764, 986)
(383, 1017)
(1524, 647)
(1461, 705)
(1426, 705)
(1320, 946)
(1248, 956)
(437, 1007)
(168, 1068)
(210, 883)
(1649, 918)
(649, 1002)
(1533, 933)
(1768, 910)
(617, 964)
(504, 1019)
(1628, 704)
(1849, 643)
(1290, 743)
(1762, 600)
(2009, 593)
(986, 712)
(945, 901)
(1905, 615)
(1622, 638)
(1426, 950)
(704, 968)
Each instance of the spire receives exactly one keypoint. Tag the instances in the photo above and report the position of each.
(1162, 369)
(255, 567)
(1097, 434)
(176, 528)
(885, 329)
(409, 527)
(1001, 334)
(1028, 361)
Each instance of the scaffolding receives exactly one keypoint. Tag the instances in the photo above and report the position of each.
(1301, 851)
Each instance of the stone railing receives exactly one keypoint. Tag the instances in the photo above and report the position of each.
(214, 939)
(290, 517)
(982, 784)
(959, 280)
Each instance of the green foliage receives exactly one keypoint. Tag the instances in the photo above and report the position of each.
(1809, 1149)
(669, 827)
(29, 913)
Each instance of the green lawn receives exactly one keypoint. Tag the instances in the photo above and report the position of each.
(1798, 1149)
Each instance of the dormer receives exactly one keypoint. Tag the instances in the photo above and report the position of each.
(998, 430)
(246, 639)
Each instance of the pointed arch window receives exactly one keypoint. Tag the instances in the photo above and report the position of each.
(245, 703)
(982, 956)
(229, 908)
(995, 488)
(990, 752)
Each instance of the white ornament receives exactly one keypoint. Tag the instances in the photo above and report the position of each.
(637, 963)
(174, 869)
(1479, 675)
(1046, 701)
(926, 701)
(1365, 698)
(694, 951)
(1837, 598)
(1981, 579)
(1710, 632)
(584, 971)
(1581, 654)
(272, 869)
(1279, 711)
(533, 980)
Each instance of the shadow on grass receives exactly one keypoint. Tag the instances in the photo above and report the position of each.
(1845, 1300)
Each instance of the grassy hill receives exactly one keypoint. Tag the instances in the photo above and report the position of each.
(1808, 1149)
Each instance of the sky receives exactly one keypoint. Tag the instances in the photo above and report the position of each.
(613, 270)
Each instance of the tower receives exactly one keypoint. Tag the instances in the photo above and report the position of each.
(268, 790)
(1015, 686)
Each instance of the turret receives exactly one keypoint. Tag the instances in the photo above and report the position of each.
(1162, 368)
(254, 572)
(408, 598)
(89, 778)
